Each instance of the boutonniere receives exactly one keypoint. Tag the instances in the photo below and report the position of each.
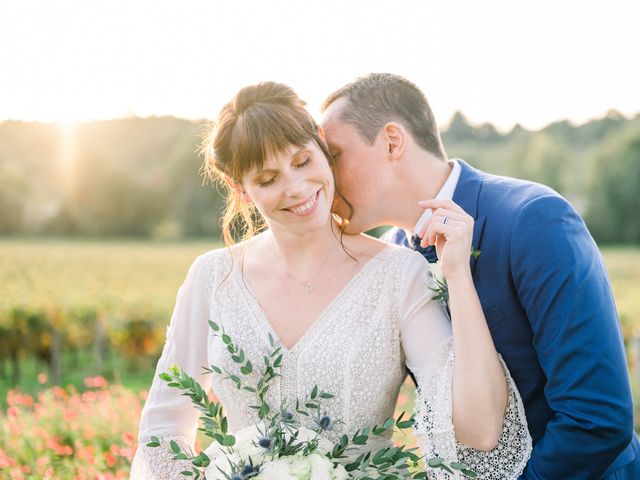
(440, 288)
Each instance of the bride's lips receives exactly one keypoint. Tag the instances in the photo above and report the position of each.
(305, 208)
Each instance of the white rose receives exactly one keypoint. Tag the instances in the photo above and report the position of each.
(340, 473)
(220, 462)
(306, 435)
(247, 446)
(251, 454)
(249, 434)
(214, 450)
(435, 269)
(299, 467)
(321, 467)
(275, 470)
(324, 446)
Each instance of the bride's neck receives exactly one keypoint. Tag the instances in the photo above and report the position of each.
(300, 250)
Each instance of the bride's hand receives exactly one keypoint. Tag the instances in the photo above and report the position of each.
(450, 229)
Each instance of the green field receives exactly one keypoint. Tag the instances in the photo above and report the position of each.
(121, 281)
(72, 284)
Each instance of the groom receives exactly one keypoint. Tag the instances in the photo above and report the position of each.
(540, 277)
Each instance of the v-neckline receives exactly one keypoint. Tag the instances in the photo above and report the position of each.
(261, 316)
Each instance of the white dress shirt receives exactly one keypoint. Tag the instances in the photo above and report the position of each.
(445, 193)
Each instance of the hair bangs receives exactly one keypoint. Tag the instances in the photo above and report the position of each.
(265, 131)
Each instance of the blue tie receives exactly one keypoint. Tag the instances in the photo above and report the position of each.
(427, 252)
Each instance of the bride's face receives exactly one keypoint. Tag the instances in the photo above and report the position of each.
(294, 190)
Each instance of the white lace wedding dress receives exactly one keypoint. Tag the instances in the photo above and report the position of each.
(359, 349)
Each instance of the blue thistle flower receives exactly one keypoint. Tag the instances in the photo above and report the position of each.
(287, 415)
(324, 422)
(265, 442)
(248, 471)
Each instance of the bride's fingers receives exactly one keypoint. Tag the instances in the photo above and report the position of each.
(438, 235)
(455, 214)
(453, 227)
(428, 238)
(448, 212)
(431, 235)
(439, 215)
(434, 204)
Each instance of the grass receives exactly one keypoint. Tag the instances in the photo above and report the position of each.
(120, 273)
(147, 275)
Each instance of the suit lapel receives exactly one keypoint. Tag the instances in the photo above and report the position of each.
(478, 227)
(466, 195)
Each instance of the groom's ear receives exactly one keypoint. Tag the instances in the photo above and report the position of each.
(396, 139)
(322, 135)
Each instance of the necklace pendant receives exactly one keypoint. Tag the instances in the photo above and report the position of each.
(308, 287)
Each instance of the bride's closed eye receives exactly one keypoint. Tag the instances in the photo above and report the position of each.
(266, 182)
(271, 181)
(305, 162)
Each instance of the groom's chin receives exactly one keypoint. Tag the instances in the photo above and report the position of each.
(354, 227)
(350, 230)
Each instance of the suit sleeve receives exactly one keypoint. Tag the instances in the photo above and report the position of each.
(562, 283)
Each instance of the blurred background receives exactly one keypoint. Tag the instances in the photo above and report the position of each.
(103, 208)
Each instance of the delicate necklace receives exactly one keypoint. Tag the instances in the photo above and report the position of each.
(308, 286)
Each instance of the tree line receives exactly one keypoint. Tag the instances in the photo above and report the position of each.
(141, 177)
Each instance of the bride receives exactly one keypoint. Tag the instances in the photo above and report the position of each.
(353, 314)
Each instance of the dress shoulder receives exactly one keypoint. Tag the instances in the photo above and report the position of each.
(215, 266)
(400, 254)
(411, 264)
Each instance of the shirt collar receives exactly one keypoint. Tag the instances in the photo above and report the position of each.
(445, 193)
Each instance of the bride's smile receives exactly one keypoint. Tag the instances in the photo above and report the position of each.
(305, 208)
(294, 189)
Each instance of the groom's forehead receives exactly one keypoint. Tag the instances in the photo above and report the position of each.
(338, 132)
(332, 115)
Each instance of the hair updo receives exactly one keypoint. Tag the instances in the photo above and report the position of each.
(260, 121)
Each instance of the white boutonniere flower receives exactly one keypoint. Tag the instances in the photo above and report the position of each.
(440, 288)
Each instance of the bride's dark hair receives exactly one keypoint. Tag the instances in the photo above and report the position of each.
(260, 121)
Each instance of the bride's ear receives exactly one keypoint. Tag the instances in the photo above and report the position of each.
(238, 189)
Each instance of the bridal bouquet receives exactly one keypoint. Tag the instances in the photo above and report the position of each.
(253, 456)
(278, 446)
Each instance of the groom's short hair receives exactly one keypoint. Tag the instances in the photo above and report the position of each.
(378, 98)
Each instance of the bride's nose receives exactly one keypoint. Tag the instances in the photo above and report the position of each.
(295, 186)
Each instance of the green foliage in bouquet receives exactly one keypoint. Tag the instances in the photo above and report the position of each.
(280, 435)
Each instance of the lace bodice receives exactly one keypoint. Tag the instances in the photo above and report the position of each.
(355, 336)
(358, 349)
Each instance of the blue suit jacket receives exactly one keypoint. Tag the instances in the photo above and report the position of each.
(547, 299)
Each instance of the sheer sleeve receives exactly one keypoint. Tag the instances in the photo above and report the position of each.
(428, 345)
(167, 414)
(424, 323)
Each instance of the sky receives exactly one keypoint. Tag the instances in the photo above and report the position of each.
(504, 62)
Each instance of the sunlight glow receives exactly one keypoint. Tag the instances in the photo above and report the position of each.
(503, 62)
(67, 154)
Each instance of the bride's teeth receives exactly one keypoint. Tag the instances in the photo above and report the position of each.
(303, 208)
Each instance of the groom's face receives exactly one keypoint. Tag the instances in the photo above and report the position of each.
(357, 162)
